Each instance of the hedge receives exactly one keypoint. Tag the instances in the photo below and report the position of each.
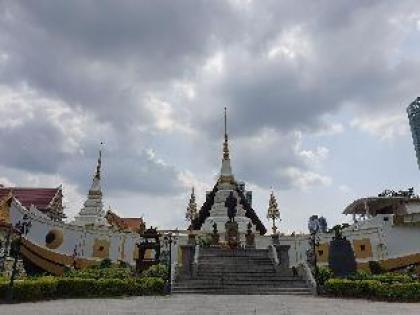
(374, 289)
(45, 288)
(100, 273)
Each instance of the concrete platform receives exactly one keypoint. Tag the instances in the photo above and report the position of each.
(214, 304)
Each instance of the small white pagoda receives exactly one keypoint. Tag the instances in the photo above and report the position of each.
(93, 212)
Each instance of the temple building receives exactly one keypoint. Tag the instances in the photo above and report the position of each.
(128, 224)
(228, 204)
(48, 201)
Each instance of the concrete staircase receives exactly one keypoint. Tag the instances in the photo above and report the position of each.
(240, 271)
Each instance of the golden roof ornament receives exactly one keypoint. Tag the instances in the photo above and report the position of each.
(191, 213)
(273, 212)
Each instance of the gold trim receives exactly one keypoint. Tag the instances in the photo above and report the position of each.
(44, 264)
(325, 248)
(59, 258)
(393, 263)
(101, 248)
(58, 239)
(357, 248)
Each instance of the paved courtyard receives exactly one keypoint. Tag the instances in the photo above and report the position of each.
(213, 304)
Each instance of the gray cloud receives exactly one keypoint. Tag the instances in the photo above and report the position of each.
(284, 67)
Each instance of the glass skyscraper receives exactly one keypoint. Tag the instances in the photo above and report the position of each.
(413, 111)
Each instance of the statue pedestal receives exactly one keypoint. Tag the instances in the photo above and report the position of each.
(275, 238)
(191, 239)
(232, 234)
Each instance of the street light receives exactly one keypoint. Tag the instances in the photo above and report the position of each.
(168, 239)
(21, 228)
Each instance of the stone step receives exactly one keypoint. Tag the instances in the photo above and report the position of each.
(235, 261)
(239, 284)
(256, 291)
(228, 277)
(243, 279)
(233, 253)
(239, 269)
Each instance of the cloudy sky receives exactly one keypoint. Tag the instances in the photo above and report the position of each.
(316, 93)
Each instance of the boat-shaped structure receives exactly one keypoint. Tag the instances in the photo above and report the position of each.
(52, 245)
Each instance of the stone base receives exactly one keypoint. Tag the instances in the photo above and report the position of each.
(232, 234)
(275, 239)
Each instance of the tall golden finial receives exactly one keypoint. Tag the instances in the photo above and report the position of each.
(273, 212)
(191, 213)
(225, 145)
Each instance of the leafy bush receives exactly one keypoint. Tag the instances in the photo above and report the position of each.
(204, 241)
(324, 274)
(375, 267)
(98, 273)
(55, 287)
(374, 289)
(105, 263)
(160, 271)
(388, 277)
(393, 278)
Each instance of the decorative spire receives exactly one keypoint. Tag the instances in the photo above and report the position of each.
(98, 165)
(273, 212)
(225, 145)
(192, 208)
(226, 171)
(92, 211)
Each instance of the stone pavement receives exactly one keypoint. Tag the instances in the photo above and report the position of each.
(213, 304)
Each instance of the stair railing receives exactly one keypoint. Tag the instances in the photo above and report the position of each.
(272, 253)
(195, 262)
(306, 273)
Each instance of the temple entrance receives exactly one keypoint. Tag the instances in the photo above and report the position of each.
(149, 250)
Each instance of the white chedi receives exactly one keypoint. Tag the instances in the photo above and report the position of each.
(93, 210)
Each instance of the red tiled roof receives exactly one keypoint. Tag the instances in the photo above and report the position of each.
(39, 197)
(132, 223)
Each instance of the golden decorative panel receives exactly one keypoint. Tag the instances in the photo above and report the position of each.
(136, 253)
(54, 239)
(362, 248)
(4, 208)
(322, 251)
(101, 248)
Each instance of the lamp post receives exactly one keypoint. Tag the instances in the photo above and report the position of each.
(168, 240)
(313, 226)
(21, 228)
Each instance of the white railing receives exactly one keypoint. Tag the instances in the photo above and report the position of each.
(306, 273)
(195, 262)
(272, 252)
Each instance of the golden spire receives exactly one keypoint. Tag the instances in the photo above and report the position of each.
(192, 207)
(225, 144)
(273, 211)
